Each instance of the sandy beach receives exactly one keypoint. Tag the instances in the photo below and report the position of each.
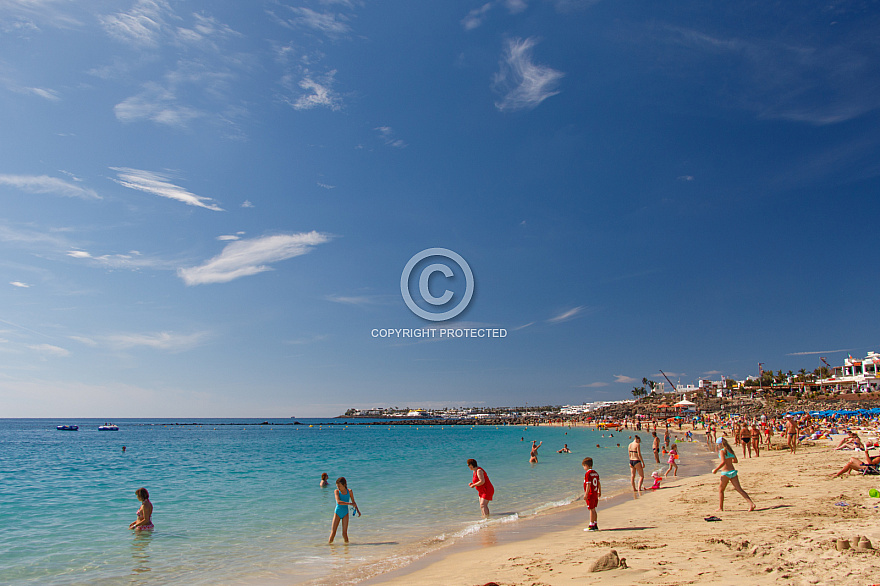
(662, 535)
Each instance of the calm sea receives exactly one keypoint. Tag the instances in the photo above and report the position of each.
(238, 504)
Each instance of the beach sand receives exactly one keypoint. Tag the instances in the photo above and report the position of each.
(665, 540)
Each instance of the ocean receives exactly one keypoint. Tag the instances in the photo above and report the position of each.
(238, 503)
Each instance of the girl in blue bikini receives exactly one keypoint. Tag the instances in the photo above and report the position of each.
(344, 499)
(728, 473)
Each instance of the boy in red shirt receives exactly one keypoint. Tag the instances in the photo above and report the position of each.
(592, 492)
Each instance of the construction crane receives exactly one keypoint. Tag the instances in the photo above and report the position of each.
(667, 380)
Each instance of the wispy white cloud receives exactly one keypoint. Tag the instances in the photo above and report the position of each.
(205, 29)
(318, 92)
(19, 284)
(247, 204)
(142, 24)
(566, 315)
(50, 95)
(524, 84)
(325, 22)
(158, 104)
(133, 260)
(819, 352)
(597, 384)
(250, 257)
(225, 237)
(815, 80)
(49, 349)
(476, 17)
(46, 184)
(516, 6)
(524, 326)
(158, 184)
(361, 299)
(83, 340)
(711, 372)
(27, 15)
(386, 133)
(308, 340)
(160, 340)
(685, 177)
(622, 378)
(326, 185)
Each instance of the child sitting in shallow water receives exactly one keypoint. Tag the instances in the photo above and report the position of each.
(657, 478)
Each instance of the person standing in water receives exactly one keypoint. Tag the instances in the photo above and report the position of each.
(728, 473)
(144, 513)
(484, 487)
(533, 456)
(344, 499)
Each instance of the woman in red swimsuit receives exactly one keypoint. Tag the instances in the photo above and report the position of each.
(484, 487)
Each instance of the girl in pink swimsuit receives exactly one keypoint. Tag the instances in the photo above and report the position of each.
(144, 513)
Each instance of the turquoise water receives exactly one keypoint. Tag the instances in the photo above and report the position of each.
(241, 503)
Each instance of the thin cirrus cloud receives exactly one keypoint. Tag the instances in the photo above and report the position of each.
(46, 184)
(158, 184)
(523, 83)
(243, 258)
(595, 385)
(141, 25)
(160, 340)
(566, 315)
(622, 378)
(49, 350)
(134, 260)
(386, 133)
(19, 284)
(324, 22)
(476, 17)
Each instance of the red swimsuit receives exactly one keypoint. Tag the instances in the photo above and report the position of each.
(486, 490)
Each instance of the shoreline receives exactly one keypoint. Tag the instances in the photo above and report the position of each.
(507, 528)
(664, 537)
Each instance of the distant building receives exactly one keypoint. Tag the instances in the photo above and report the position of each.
(855, 375)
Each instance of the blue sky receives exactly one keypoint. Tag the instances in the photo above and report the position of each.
(205, 207)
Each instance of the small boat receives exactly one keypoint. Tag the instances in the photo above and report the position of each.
(108, 427)
(67, 428)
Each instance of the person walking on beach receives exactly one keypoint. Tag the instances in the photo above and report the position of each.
(344, 499)
(791, 432)
(636, 464)
(655, 445)
(745, 436)
(728, 473)
(144, 519)
(533, 456)
(592, 492)
(484, 487)
(673, 461)
(756, 439)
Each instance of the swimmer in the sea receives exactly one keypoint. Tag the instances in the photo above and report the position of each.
(144, 513)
